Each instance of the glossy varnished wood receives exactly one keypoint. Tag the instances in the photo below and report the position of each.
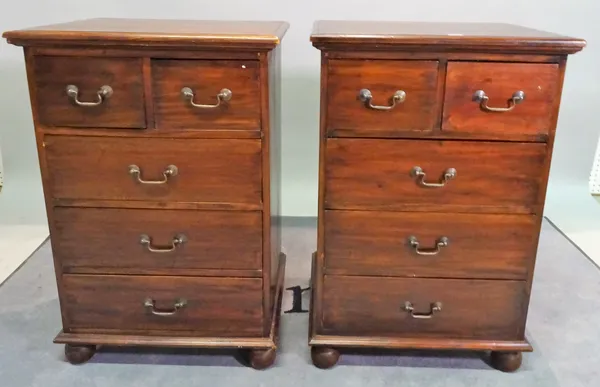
(218, 240)
(228, 165)
(424, 36)
(120, 337)
(500, 81)
(392, 342)
(369, 204)
(215, 306)
(152, 33)
(123, 109)
(98, 168)
(206, 78)
(479, 246)
(510, 176)
(470, 308)
(418, 79)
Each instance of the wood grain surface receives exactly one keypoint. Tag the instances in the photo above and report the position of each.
(206, 79)
(470, 308)
(215, 306)
(376, 174)
(98, 168)
(123, 109)
(220, 240)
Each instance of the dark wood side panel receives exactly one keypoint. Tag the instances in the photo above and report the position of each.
(206, 78)
(103, 238)
(275, 145)
(478, 245)
(500, 81)
(124, 108)
(214, 306)
(469, 308)
(376, 174)
(98, 168)
(418, 79)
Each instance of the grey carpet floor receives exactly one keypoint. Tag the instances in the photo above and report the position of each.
(563, 326)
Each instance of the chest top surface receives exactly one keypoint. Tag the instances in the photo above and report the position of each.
(445, 36)
(148, 32)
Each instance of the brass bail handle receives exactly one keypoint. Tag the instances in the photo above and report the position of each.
(366, 97)
(104, 93)
(170, 171)
(177, 241)
(224, 95)
(435, 307)
(482, 99)
(419, 173)
(179, 304)
(441, 242)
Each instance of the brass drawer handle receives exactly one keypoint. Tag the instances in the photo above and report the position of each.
(105, 92)
(223, 96)
(179, 304)
(482, 98)
(366, 96)
(441, 242)
(136, 172)
(418, 172)
(434, 307)
(177, 241)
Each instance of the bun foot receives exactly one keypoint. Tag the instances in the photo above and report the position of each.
(506, 361)
(324, 357)
(260, 359)
(79, 354)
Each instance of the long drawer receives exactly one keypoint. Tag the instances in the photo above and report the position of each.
(141, 240)
(205, 306)
(412, 244)
(170, 170)
(416, 307)
(425, 174)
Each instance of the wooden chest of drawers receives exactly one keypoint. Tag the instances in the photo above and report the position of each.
(435, 148)
(159, 149)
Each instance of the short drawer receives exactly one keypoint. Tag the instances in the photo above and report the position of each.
(414, 307)
(89, 92)
(432, 175)
(180, 170)
(501, 100)
(370, 96)
(164, 241)
(412, 244)
(206, 94)
(204, 306)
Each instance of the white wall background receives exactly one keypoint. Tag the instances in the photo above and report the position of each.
(578, 124)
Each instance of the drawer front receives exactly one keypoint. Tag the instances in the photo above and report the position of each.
(416, 80)
(216, 170)
(139, 240)
(411, 244)
(532, 116)
(381, 174)
(90, 92)
(205, 306)
(469, 309)
(208, 82)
